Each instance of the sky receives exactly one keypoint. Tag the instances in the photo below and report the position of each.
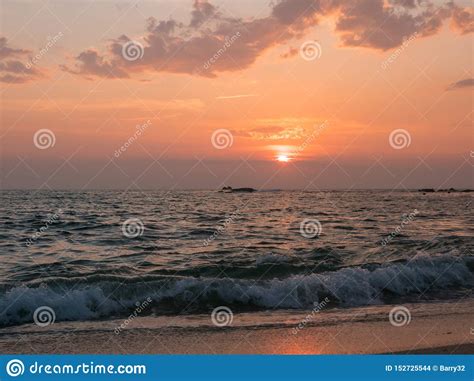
(288, 94)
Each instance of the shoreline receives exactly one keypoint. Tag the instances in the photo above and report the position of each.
(434, 328)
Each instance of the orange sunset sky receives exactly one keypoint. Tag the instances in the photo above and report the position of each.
(309, 94)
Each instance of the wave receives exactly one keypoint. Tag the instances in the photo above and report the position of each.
(107, 296)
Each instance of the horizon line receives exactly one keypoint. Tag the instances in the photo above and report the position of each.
(257, 190)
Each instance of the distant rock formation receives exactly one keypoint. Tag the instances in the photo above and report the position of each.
(237, 190)
(450, 190)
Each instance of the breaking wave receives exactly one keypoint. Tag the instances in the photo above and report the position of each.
(101, 296)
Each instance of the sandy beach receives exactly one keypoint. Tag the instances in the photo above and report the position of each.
(364, 331)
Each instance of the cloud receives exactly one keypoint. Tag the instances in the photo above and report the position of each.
(405, 3)
(212, 43)
(236, 96)
(290, 53)
(7, 52)
(463, 20)
(12, 69)
(91, 63)
(273, 133)
(465, 83)
(373, 24)
(297, 13)
(209, 45)
(202, 11)
(17, 72)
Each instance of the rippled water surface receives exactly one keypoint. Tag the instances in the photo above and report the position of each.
(192, 250)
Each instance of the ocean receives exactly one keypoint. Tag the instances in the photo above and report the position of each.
(98, 256)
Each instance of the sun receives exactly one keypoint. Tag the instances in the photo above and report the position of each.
(283, 158)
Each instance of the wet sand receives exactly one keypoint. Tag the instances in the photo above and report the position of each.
(446, 333)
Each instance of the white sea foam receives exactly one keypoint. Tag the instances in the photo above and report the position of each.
(348, 287)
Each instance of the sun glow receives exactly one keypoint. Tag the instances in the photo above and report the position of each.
(283, 158)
